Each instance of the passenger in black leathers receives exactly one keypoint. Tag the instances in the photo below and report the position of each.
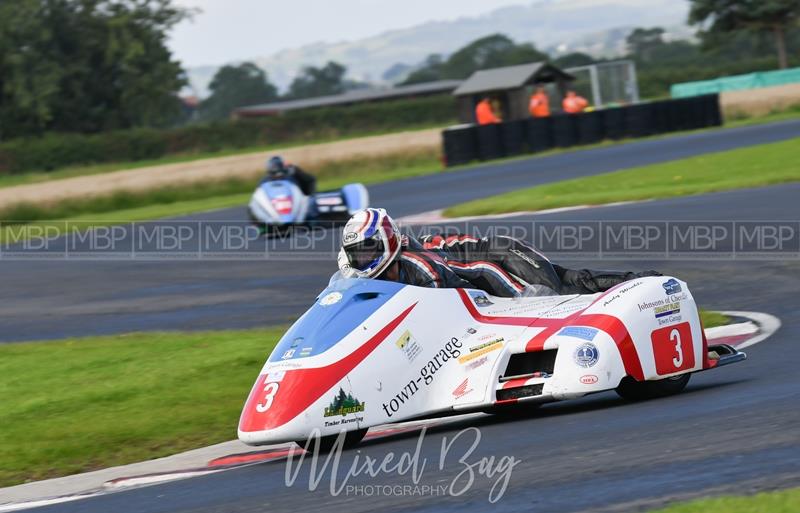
(504, 266)
(277, 169)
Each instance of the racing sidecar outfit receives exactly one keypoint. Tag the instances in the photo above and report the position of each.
(306, 181)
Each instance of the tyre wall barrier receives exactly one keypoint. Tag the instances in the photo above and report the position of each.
(513, 135)
(460, 145)
(466, 143)
(539, 134)
(490, 142)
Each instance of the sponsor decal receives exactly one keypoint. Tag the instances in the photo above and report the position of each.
(619, 292)
(480, 298)
(470, 331)
(344, 420)
(275, 377)
(350, 237)
(450, 350)
(671, 286)
(581, 332)
(485, 344)
(477, 363)
(480, 352)
(462, 389)
(275, 366)
(342, 405)
(288, 354)
(586, 355)
(666, 310)
(588, 379)
(675, 298)
(306, 351)
(409, 345)
(670, 320)
(331, 299)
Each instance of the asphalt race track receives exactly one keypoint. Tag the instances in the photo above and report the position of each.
(62, 296)
(734, 430)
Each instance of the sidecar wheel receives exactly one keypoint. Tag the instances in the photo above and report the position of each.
(512, 411)
(634, 390)
(326, 443)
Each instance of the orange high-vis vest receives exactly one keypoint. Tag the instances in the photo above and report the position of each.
(539, 107)
(484, 113)
(574, 104)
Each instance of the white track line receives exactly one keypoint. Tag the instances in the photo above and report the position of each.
(767, 325)
(44, 502)
(435, 216)
(127, 482)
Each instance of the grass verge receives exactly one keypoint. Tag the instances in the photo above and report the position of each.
(712, 319)
(783, 501)
(747, 167)
(81, 404)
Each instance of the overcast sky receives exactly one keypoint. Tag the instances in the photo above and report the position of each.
(230, 30)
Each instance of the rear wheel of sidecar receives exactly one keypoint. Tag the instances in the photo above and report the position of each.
(634, 390)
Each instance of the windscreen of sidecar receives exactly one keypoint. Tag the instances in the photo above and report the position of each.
(338, 310)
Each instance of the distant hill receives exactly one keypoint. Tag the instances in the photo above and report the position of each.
(597, 27)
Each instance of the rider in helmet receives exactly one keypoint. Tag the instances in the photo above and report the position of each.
(373, 248)
(277, 169)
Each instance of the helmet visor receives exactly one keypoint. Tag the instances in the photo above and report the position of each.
(363, 255)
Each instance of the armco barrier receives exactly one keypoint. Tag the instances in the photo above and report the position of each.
(466, 143)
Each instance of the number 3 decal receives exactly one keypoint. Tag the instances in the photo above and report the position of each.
(673, 349)
(675, 336)
(270, 389)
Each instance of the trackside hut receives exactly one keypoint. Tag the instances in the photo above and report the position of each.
(511, 85)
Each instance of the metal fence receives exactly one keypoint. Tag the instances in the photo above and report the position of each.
(607, 83)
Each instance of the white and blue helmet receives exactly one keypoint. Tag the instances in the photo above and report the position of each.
(370, 242)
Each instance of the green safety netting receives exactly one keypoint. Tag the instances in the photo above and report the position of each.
(736, 83)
